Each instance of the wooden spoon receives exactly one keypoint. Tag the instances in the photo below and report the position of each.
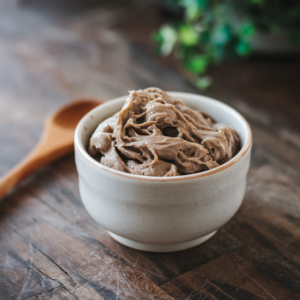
(57, 140)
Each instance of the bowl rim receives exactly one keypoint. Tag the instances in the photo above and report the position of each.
(83, 152)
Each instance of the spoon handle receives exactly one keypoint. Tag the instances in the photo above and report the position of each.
(37, 158)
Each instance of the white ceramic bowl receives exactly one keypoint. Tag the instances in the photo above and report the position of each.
(163, 214)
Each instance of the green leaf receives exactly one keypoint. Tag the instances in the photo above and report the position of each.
(168, 37)
(203, 83)
(197, 64)
(192, 13)
(188, 36)
(247, 30)
(242, 48)
(203, 3)
(157, 37)
(192, 9)
(221, 34)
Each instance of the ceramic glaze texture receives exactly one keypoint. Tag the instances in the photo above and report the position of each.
(163, 211)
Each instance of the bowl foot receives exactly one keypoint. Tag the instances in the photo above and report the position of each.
(161, 248)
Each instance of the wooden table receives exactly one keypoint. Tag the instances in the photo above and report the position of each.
(49, 246)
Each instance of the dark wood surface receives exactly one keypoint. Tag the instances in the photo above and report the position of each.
(49, 246)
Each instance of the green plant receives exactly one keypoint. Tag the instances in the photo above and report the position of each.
(210, 31)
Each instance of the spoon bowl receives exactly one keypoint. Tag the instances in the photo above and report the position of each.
(68, 116)
(57, 140)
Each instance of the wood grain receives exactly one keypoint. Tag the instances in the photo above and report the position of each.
(49, 246)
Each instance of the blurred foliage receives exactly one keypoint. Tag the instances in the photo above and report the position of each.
(210, 31)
